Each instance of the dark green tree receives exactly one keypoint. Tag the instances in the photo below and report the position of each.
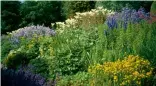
(10, 16)
(39, 12)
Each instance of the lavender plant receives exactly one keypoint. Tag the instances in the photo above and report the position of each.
(29, 32)
(24, 76)
(21, 77)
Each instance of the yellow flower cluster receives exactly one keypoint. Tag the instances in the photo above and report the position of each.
(84, 19)
(130, 70)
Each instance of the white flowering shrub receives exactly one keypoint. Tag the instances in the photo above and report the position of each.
(84, 19)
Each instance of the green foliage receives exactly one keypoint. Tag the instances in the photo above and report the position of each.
(79, 79)
(41, 66)
(71, 49)
(10, 14)
(5, 46)
(70, 7)
(137, 39)
(148, 49)
(15, 59)
(43, 62)
(40, 13)
(118, 5)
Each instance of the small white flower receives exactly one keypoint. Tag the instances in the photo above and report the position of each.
(100, 8)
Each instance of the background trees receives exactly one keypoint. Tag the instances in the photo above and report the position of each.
(40, 13)
(10, 16)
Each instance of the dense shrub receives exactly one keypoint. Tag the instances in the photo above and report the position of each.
(70, 7)
(22, 37)
(71, 48)
(15, 59)
(79, 79)
(38, 51)
(147, 48)
(27, 33)
(6, 46)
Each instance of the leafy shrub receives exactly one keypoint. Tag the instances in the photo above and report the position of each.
(15, 59)
(41, 66)
(69, 8)
(148, 49)
(24, 36)
(6, 46)
(79, 79)
(30, 51)
(25, 40)
(132, 70)
(70, 51)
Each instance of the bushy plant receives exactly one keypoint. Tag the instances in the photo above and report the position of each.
(6, 46)
(132, 70)
(79, 79)
(70, 51)
(29, 32)
(15, 59)
(22, 37)
(147, 48)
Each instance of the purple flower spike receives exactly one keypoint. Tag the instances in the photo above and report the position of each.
(126, 16)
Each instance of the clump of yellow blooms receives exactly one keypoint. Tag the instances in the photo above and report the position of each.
(127, 71)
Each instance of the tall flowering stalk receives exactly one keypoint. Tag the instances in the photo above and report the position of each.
(84, 19)
(126, 16)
